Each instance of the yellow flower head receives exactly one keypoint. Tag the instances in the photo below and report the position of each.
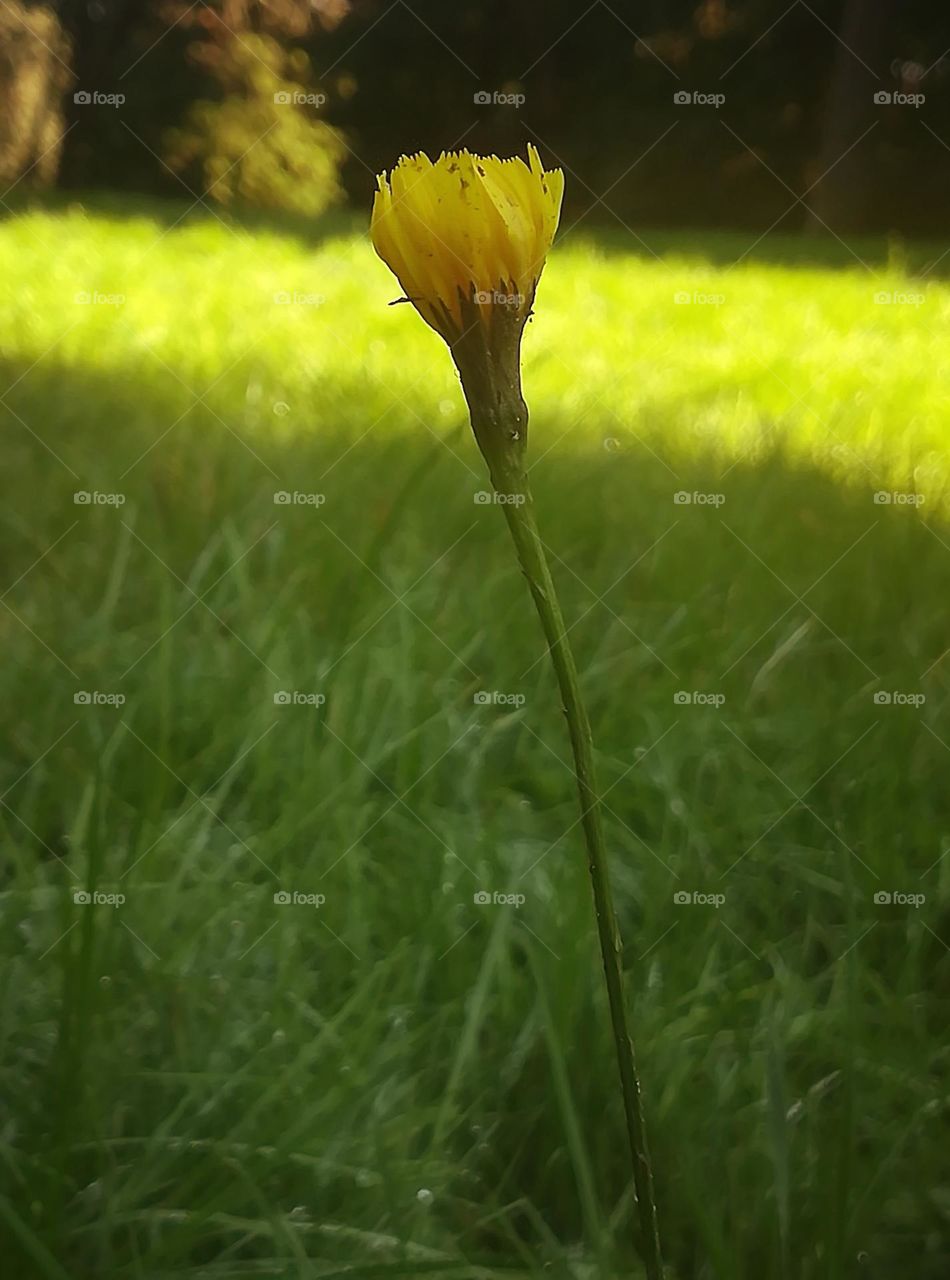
(467, 232)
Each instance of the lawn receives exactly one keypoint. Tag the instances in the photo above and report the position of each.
(216, 701)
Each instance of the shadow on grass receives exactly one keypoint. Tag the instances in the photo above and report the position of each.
(716, 247)
(778, 249)
(171, 213)
(731, 653)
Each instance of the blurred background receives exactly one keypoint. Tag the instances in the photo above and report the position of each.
(298, 971)
(688, 112)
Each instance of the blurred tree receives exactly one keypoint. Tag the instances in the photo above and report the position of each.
(595, 85)
(259, 143)
(292, 18)
(213, 66)
(34, 75)
(129, 47)
(845, 178)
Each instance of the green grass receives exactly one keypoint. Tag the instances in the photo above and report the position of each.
(401, 1082)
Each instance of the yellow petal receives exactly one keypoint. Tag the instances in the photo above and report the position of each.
(466, 224)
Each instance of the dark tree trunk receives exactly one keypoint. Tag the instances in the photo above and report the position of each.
(846, 178)
(97, 65)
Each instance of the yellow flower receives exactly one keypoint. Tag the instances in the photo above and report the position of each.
(467, 234)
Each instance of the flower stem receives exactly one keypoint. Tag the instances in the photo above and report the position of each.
(510, 481)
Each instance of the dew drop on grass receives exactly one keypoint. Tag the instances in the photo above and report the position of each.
(105, 981)
(424, 1196)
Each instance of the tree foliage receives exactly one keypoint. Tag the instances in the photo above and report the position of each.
(259, 142)
(593, 86)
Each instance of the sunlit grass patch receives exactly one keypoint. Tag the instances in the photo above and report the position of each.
(205, 1077)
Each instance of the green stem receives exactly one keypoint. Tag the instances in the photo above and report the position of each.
(510, 480)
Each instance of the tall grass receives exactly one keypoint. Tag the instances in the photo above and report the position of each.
(401, 1080)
